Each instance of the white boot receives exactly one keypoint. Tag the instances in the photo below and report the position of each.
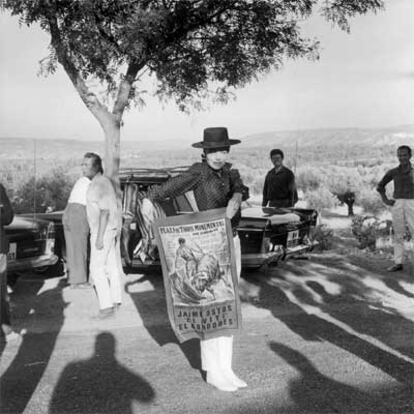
(226, 356)
(210, 362)
(220, 381)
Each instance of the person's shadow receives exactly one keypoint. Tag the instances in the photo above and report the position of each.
(395, 285)
(376, 321)
(99, 384)
(312, 327)
(157, 322)
(41, 315)
(313, 392)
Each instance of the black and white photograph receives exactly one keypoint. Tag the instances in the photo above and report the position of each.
(206, 206)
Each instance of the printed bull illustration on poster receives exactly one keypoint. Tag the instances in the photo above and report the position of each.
(199, 272)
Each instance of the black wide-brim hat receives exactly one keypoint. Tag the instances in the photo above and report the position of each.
(216, 138)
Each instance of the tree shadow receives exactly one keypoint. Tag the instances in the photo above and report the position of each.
(395, 285)
(152, 307)
(357, 305)
(368, 319)
(315, 328)
(366, 263)
(99, 384)
(391, 280)
(313, 392)
(19, 381)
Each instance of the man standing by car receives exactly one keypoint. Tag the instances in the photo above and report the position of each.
(104, 217)
(279, 188)
(76, 230)
(402, 204)
(6, 217)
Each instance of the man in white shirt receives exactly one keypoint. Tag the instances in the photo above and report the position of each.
(105, 222)
(76, 230)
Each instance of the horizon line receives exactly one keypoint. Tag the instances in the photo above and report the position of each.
(245, 136)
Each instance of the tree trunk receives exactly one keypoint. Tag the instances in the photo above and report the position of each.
(350, 205)
(112, 132)
(112, 150)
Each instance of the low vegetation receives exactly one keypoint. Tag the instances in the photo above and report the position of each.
(323, 180)
(345, 176)
(323, 234)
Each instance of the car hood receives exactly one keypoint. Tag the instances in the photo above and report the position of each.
(275, 216)
(55, 216)
(23, 224)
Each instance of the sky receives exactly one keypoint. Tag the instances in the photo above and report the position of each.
(363, 79)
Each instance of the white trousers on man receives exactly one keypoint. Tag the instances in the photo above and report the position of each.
(217, 353)
(402, 218)
(104, 270)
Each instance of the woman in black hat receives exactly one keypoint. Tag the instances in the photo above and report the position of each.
(214, 185)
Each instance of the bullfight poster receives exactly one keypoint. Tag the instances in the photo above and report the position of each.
(200, 276)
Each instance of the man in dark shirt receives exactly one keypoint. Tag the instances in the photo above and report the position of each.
(402, 204)
(279, 188)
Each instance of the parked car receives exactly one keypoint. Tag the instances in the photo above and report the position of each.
(31, 244)
(267, 235)
(56, 218)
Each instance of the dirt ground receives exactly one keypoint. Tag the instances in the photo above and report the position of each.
(332, 333)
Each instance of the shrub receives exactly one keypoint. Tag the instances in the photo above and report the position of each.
(320, 198)
(324, 235)
(370, 201)
(308, 178)
(374, 233)
(366, 229)
(51, 193)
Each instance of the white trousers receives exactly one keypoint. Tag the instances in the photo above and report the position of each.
(104, 270)
(402, 217)
(217, 353)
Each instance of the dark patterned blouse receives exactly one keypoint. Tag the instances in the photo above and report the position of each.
(212, 188)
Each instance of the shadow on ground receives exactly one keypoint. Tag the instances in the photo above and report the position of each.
(366, 312)
(99, 384)
(316, 300)
(313, 392)
(158, 325)
(21, 378)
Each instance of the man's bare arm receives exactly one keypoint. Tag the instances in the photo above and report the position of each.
(103, 223)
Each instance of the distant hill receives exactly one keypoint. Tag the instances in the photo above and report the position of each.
(392, 136)
(62, 149)
(58, 149)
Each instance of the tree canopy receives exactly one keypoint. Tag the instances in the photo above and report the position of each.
(193, 48)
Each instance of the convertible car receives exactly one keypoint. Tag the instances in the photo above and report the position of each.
(267, 235)
(31, 244)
